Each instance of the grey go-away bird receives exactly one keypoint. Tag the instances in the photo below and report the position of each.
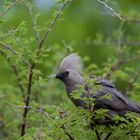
(70, 74)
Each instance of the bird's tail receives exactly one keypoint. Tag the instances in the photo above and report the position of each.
(137, 109)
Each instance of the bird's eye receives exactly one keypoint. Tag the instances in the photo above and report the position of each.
(66, 73)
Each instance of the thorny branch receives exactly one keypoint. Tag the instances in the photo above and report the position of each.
(29, 5)
(35, 109)
(32, 67)
(9, 7)
(121, 17)
(52, 25)
(27, 99)
(111, 9)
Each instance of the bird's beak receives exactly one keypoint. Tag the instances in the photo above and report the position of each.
(59, 76)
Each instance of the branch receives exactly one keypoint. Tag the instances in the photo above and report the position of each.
(133, 80)
(93, 121)
(33, 21)
(111, 9)
(27, 100)
(52, 25)
(119, 63)
(97, 134)
(8, 48)
(132, 20)
(123, 18)
(32, 67)
(46, 114)
(108, 135)
(68, 134)
(93, 124)
(35, 109)
(9, 7)
(136, 43)
(114, 43)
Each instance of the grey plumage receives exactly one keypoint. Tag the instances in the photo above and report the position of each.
(70, 73)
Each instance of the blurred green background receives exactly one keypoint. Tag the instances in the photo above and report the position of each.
(87, 27)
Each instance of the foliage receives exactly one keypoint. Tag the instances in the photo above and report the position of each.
(33, 104)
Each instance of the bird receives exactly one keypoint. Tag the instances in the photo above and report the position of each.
(70, 73)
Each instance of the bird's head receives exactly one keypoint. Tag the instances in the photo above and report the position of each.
(70, 70)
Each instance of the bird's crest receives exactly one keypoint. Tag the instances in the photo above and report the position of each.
(72, 61)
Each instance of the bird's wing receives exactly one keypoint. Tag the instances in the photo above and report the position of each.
(105, 82)
(117, 102)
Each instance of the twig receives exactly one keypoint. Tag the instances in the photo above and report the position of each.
(118, 49)
(68, 134)
(70, 137)
(94, 123)
(136, 43)
(52, 25)
(33, 21)
(133, 80)
(37, 110)
(111, 70)
(18, 78)
(97, 134)
(114, 43)
(132, 20)
(61, 115)
(134, 58)
(93, 116)
(119, 61)
(131, 132)
(108, 135)
(9, 33)
(9, 7)
(25, 54)
(8, 48)
(111, 9)
(45, 113)
(116, 66)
